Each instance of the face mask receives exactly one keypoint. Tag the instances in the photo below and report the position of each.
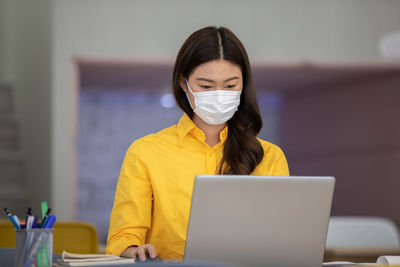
(215, 107)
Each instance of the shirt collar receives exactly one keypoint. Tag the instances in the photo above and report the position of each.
(186, 125)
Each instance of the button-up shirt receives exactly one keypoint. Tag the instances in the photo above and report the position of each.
(154, 191)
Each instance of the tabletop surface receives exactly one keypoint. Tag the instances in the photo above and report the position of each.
(7, 256)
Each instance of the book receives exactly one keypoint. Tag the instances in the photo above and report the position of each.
(75, 259)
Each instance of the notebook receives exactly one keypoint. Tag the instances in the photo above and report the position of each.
(74, 259)
(259, 220)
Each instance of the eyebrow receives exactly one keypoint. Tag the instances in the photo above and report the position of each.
(211, 81)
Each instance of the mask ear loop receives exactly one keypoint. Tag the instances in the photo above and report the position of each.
(187, 95)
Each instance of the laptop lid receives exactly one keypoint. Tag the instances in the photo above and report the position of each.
(259, 220)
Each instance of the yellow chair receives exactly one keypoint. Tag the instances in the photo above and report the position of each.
(75, 237)
(7, 234)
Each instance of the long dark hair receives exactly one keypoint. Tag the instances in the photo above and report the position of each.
(242, 150)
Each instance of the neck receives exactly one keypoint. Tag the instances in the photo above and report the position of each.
(211, 131)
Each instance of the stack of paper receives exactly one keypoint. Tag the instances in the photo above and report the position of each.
(381, 261)
(389, 260)
(73, 259)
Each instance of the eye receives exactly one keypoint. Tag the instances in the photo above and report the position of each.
(230, 86)
(205, 86)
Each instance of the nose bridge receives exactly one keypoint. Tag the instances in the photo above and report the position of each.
(220, 86)
(220, 98)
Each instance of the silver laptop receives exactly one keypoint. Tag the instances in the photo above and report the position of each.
(259, 220)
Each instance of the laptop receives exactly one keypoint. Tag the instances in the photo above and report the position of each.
(259, 220)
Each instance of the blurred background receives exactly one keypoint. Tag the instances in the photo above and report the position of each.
(80, 80)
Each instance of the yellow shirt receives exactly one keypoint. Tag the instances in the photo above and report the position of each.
(154, 191)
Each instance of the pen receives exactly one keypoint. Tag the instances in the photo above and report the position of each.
(29, 212)
(44, 208)
(39, 242)
(50, 221)
(35, 222)
(12, 219)
(45, 218)
(29, 222)
(38, 249)
(17, 220)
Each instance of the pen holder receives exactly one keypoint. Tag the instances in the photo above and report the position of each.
(34, 247)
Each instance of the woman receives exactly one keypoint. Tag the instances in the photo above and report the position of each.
(212, 83)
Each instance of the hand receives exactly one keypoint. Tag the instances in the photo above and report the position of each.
(140, 252)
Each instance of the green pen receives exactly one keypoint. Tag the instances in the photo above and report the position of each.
(44, 208)
(39, 257)
(42, 257)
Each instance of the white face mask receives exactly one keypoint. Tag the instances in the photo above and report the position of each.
(215, 107)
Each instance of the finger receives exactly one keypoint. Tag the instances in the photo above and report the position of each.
(141, 253)
(130, 252)
(152, 251)
(135, 253)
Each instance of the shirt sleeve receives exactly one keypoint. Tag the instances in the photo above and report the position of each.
(281, 167)
(131, 214)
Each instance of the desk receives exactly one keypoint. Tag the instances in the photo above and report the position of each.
(7, 256)
(357, 254)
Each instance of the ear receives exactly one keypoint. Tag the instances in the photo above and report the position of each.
(182, 83)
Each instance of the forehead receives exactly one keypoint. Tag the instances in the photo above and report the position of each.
(217, 69)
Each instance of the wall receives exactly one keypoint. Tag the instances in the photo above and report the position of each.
(283, 30)
(3, 51)
(26, 49)
(5, 29)
(349, 131)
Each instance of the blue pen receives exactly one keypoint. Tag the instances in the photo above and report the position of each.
(16, 225)
(45, 218)
(17, 220)
(50, 221)
(35, 222)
